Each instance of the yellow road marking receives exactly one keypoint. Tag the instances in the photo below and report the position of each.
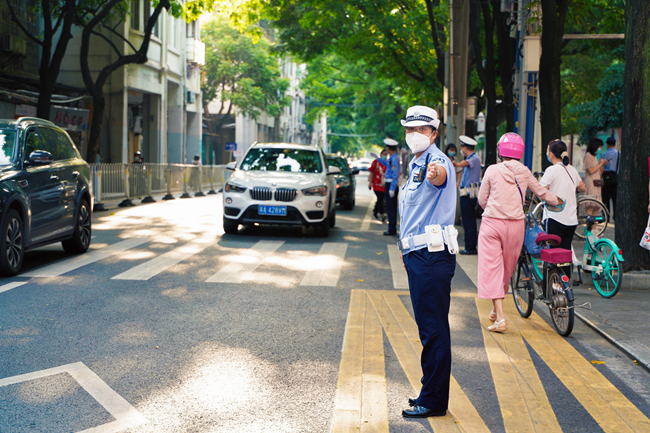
(459, 405)
(347, 401)
(522, 398)
(604, 402)
(374, 400)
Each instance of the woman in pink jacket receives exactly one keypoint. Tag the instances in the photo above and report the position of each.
(502, 229)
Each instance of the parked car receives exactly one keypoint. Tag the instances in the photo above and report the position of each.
(346, 183)
(281, 184)
(45, 191)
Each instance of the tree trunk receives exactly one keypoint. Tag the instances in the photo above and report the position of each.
(554, 14)
(99, 105)
(632, 194)
(486, 73)
(507, 58)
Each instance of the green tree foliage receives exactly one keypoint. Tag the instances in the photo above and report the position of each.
(240, 72)
(585, 62)
(360, 105)
(607, 111)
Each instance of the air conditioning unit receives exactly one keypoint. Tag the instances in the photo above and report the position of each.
(191, 97)
(14, 44)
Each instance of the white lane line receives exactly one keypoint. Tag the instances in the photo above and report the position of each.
(245, 262)
(64, 266)
(365, 225)
(400, 279)
(10, 286)
(126, 416)
(328, 270)
(165, 261)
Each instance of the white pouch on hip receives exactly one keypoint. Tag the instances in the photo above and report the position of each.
(451, 239)
(435, 241)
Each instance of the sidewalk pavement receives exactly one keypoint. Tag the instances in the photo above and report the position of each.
(623, 320)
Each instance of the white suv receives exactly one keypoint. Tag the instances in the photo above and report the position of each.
(283, 184)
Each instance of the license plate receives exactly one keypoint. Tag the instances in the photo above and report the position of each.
(272, 210)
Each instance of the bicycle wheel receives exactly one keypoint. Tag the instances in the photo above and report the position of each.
(599, 211)
(522, 291)
(561, 307)
(606, 270)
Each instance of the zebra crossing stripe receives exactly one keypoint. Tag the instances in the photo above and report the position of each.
(11, 285)
(245, 262)
(331, 258)
(165, 261)
(67, 265)
(400, 279)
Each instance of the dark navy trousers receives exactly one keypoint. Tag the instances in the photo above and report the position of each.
(391, 208)
(429, 276)
(468, 215)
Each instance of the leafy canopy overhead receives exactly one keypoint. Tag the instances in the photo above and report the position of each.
(241, 71)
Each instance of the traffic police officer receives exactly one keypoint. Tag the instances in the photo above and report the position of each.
(468, 192)
(390, 187)
(428, 197)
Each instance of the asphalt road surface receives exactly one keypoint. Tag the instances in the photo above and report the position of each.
(168, 325)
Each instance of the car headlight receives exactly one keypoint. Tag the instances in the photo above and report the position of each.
(342, 182)
(316, 190)
(233, 187)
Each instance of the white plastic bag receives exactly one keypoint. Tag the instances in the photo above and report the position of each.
(645, 240)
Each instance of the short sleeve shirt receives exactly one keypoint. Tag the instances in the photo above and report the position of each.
(423, 204)
(471, 174)
(611, 155)
(562, 181)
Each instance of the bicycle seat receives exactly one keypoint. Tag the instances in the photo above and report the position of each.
(552, 240)
(557, 255)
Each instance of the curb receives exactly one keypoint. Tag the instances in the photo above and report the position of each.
(634, 350)
(636, 281)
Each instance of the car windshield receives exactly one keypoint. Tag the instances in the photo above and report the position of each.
(8, 143)
(273, 159)
(340, 163)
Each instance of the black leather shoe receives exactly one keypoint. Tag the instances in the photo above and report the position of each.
(387, 233)
(413, 402)
(422, 412)
(468, 253)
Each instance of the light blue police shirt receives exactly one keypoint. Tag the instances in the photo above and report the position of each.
(421, 203)
(611, 155)
(392, 172)
(471, 174)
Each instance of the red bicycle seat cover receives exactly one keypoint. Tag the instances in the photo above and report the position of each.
(543, 237)
(556, 255)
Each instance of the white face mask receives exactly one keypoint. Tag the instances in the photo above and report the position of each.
(417, 142)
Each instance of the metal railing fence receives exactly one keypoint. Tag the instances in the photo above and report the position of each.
(126, 182)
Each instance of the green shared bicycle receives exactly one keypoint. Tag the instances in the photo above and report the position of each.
(601, 257)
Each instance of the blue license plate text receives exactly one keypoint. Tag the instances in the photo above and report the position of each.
(272, 210)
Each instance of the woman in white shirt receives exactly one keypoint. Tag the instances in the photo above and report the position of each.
(562, 180)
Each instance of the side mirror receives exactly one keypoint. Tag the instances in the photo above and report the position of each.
(355, 172)
(334, 170)
(231, 166)
(40, 157)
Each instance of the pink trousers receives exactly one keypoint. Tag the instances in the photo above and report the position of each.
(499, 245)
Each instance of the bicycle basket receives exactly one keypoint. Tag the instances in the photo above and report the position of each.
(532, 230)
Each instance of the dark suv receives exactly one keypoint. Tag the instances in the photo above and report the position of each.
(346, 184)
(45, 193)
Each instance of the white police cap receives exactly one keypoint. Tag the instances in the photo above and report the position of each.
(467, 141)
(390, 142)
(419, 115)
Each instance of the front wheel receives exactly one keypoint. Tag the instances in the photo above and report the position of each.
(80, 241)
(522, 290)
(323, 228)
(605, 270)
(333, 218)
(12, 251)
(561, 308)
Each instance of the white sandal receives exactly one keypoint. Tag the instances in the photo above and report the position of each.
(497, 326)
(493, 316)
